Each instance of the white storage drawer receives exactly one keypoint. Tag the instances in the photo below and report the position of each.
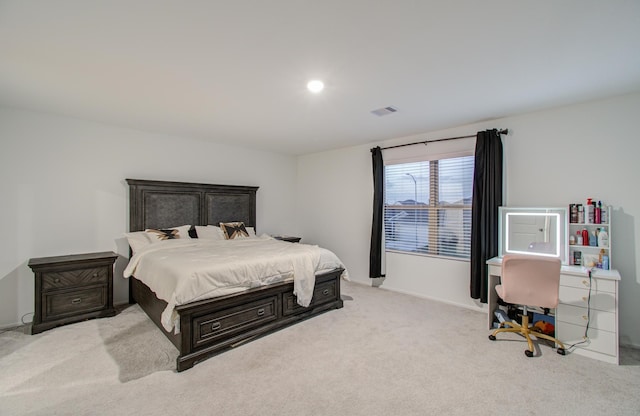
(578, 316)
(600, 341)
(600, 285)
(602, 301)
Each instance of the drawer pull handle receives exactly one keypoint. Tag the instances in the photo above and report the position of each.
(56, 280)
(325, 292)
(586, 283)
(260, 311)
(584, 298)
(76, 301)
(95, 275)
(215, 326)
(585, 317)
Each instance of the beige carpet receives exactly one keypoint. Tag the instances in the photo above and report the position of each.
(382, 354)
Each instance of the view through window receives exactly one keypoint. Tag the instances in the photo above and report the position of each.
(428, 207)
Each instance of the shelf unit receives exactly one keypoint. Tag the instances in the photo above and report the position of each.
(590, 253)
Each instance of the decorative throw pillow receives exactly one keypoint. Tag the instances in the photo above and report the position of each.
(234, 230)
(168, 233)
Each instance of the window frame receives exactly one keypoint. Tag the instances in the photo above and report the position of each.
(434, 208)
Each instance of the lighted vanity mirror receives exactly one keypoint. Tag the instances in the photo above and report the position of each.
(536, 231)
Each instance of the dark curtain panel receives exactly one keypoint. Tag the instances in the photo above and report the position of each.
(487, 197)
(375, 257)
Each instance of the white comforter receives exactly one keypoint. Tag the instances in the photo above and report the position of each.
(183, 271)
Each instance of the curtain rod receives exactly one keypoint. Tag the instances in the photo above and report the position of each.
(503, 131)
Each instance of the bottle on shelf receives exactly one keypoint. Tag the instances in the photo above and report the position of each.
(590, 215)
(579, 240)
(573, 213)
(580, 214)
(603, 238)
(598, 213)
(577, 258)
(585, 237)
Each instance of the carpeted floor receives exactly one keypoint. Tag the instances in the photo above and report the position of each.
(384, 353)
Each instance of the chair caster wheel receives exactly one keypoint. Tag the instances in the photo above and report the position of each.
(528, 353)
(492, 337)
(561, 351)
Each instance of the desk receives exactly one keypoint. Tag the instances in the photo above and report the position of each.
(572, 312)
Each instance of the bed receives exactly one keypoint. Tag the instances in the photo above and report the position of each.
(208, 327)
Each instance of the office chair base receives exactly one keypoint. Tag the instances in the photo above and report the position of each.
(526, 331)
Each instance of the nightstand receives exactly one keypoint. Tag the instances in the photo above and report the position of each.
(72, 288)
(288, 238)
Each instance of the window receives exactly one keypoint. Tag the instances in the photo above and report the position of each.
(427, 207)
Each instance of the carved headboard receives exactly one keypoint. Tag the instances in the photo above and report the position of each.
(161, 204)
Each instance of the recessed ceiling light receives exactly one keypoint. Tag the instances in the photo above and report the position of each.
(315, 86)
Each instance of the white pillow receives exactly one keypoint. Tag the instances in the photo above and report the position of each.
(209, 232)
(251, 231)
(137, 240)
(168, 233)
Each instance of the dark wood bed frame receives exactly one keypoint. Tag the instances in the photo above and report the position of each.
(212, 326)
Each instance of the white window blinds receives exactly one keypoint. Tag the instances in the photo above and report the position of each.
(428, 204)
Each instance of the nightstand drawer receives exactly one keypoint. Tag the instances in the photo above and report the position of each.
(74, 302)
(74, 278)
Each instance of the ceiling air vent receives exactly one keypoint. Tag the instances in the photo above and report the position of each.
(384, 111)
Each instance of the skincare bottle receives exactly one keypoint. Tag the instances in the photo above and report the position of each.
(580, 214)
(598, 214)
(605, 262)
(585, 237)
(603, 238)
(589, 216)
(579, 240)
(604, 217)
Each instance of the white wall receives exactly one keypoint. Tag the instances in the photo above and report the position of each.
(63, 191)
(552, 158)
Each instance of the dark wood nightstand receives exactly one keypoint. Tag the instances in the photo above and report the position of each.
(288, 238)
(72, 288)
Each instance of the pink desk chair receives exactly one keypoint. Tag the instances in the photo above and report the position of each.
(533, 281)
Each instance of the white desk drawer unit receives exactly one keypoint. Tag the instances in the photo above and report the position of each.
(594, 302)
(577, 308)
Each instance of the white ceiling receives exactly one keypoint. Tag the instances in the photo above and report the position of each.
(235, 71)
